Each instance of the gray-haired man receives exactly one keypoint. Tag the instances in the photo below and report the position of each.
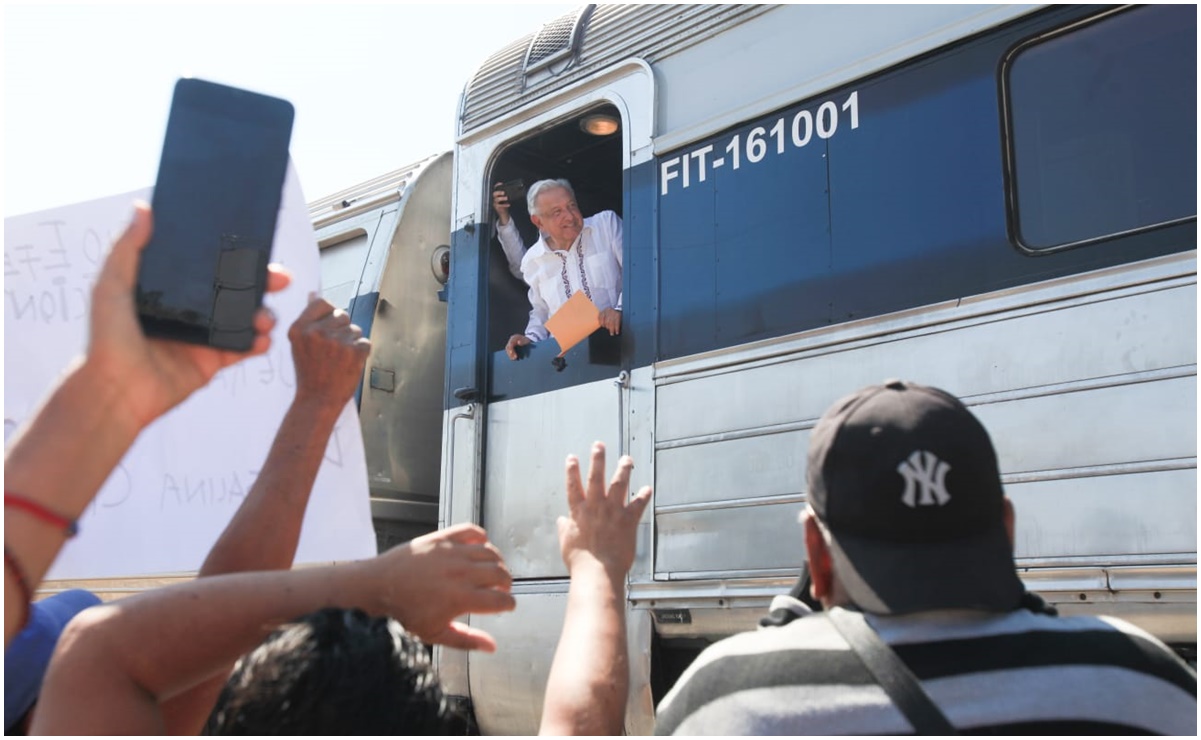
(573, 254)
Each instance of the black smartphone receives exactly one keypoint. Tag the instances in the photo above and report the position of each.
(514, 191)
(216, 200)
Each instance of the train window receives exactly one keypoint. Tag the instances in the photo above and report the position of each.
(591, 160)
(1102, 128)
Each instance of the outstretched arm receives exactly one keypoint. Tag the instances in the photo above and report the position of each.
(329, 353)
(506, 231)
(117, 663)
(590, 676)
(123, 382)
(609, 224)
(535, 329)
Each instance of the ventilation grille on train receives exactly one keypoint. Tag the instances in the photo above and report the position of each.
(569, 49)
(557, 40)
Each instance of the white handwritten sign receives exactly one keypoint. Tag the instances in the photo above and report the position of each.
(170, 497)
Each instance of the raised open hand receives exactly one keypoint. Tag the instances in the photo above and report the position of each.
(602, 524)
(429, 581)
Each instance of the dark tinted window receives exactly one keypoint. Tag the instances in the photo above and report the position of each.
(1103, 127)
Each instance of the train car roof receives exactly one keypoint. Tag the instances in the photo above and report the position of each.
(365, 195)
(574, 46)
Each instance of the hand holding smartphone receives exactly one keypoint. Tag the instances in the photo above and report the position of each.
(514, 191)
(216, 201)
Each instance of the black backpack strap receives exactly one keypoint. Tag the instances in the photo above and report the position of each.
(893, 676)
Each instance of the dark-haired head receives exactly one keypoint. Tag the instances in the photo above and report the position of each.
(335, 672)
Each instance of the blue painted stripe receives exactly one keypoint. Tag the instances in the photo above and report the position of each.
(362, 314)
(907, 209)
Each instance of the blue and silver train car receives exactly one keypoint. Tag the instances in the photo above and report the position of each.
(384, 248)
(997, 200)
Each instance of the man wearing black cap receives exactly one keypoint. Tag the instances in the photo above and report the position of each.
(926, 627)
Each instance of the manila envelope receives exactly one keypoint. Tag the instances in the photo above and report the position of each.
(574, 321)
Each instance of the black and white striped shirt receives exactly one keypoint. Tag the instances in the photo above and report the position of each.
(1012, 673)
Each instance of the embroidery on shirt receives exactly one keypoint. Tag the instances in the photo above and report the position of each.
(579, 254)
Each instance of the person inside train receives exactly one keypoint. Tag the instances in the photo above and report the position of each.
(573, 254)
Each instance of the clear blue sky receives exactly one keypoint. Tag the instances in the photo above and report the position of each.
(376, 86)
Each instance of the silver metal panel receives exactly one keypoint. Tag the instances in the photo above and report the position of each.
(460, 437)
(1100, 426)
(1140, 330)
(460, 455)
(715, 608)
(1107, 516)
(640, 445)
(528, 440)
(1151, 577)
(508, 686)
(1067, 580)
(1087, 385)
(1159, 273)
(363, 197)
(408, 338)
(640, 404)
(640, 704)
(765, 536)
(749, 591)
(1159, 599)
(716, 622)
(1140, 581)
(798, 51)
(770, 465)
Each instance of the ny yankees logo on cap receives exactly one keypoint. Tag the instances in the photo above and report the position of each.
(924, 470)
(905, 481)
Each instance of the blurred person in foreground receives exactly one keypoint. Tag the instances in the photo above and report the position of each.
(118, 666)
(122, 383)
(925, 627)
(328, 353)
(343, 671)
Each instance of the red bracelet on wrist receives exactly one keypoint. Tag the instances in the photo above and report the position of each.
(70, 527)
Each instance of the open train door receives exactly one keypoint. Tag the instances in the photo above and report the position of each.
(509, 425)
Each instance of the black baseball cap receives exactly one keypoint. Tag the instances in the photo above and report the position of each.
(905, 480)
